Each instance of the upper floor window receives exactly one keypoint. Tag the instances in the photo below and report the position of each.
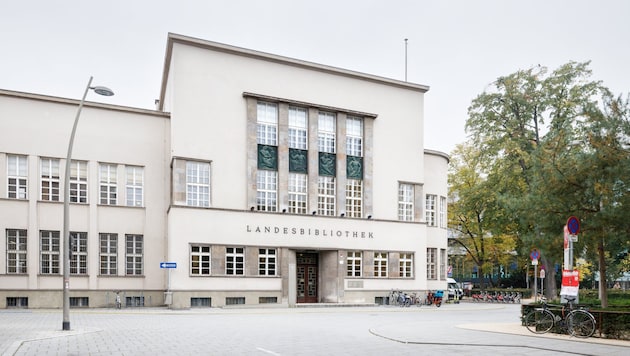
(78, 182)
(326, 132)
(108, 253)
(431, 263)
(430, 210)
(443, 212)
(354, 198)
(197, 184)
(50, 179)
(17, 172)
(108, 184)
(443, 261)
(267, 190)
(16, 251)
(298, 193)
(134, 255)
(50, 252)
(326, 200)
(298, 137)
(405, 202)
(267, 127)
(135, 186)
(78, 253)
(354, 136)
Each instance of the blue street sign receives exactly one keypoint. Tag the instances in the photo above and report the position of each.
(573, 225)
(168, 264)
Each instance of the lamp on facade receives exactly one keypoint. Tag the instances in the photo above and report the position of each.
(66, 205)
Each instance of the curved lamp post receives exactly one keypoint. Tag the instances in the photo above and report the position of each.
(66, 206)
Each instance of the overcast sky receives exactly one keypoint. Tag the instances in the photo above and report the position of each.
(457, 48)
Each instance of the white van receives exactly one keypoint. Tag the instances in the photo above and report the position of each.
(454, 289)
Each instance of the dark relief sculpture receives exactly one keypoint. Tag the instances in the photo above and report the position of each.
(268, 157)
(354, 167)
(327, 164)
(298, 160)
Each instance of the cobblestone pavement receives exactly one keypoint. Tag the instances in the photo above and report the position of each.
(464, 329)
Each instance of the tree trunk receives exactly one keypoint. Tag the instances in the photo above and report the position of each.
(603, 293)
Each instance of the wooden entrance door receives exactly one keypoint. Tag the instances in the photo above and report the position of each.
(306, 277)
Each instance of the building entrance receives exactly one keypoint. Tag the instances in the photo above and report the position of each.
(307, 277)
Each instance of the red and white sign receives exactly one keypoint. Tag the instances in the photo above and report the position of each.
(570, 282)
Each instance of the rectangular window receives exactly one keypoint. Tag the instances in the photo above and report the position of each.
(298, 193)
(200, 260)
(78, 182)
(443, 261)
(380, 264)
(199, 302)
(298, 121)
(267, 261)
(197, 184)
(134, 255)
(353, 263)
(108, 254)
(267, 124)
(267, 190)
(405, 202)
(354, 198)
(50, 252)
(135, 186)
(405, 265)
(107, 184)
(50, 179)
(432, 263)
(79, 302)
(16, 251)
(17, 172)
(326, 132)
(443, 212)
(430, 210)
(326, 199)
(78, 253)
(234, 260)
(354, 136)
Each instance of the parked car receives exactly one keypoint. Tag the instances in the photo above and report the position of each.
(454, 289)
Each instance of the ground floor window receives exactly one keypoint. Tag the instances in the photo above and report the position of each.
(79, 302)
(200, 302)
(431, 263)
(234, 300)
(353, 263)
(17, 302)
(267, 261)
(380, 264)
(405, 265)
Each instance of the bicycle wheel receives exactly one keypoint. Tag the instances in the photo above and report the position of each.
(539, 321)
(581, 323)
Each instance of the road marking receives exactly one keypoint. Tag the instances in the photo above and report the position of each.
(267, 351)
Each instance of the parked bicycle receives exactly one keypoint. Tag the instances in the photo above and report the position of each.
(577, 322)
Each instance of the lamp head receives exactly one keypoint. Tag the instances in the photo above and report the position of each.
(105, 91)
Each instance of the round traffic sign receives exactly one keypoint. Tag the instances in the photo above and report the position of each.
(534, 255)
(573, 225)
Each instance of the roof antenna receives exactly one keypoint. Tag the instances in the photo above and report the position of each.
(405, 59)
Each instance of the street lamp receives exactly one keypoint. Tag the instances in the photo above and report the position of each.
(66, 206)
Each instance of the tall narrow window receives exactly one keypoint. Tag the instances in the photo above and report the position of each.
(49, 249)
(134, 255)
(326, 135)
(443, 261)
(354, 136)
(16, 251)
(78, 253)
(197, 184)
(297, 193)
(298, 128)
(200, 258)
(108, 254)
(430, 210)
(267, 261)
(234, 260)
(431, 263)
(326, 201)
(405, 265)
(135, 186)
(107, 184)
(353, 263)
(267, 190)
(380, 264)
(267, 124)
(50, 179)
(405, 202)
(443, 212)
(17, 173)
(354, 198)
(78, 182)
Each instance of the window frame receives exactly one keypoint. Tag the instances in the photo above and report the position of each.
(432, 263)
(79, 182)
(235, 261)
(267, 261)
(405, 265)
(327, 132)
(108, 184)
(354, 264)
(50, 258)
(405, 202)
(78, 253)
(200, 260)
(134, 255)
(381, 264)
(108, 254)
(354, 136)
(267, 190)
(17, 177)
(354, 198)
(134, 187)
(50, 182)
(298, 128)
(16, 251)
(430, 210)
(298, 193)
(198, 183)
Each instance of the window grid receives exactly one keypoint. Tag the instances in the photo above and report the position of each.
(354, 198)
(443, 212)
(108, 254)
(405, 202)
(380, 264)
(354, 136)
(267, 261)
(234, 260)
(298, 121)
(200, 257)
(326, 135)
(430, 209)
(16, 251)
(405, 265)
(135, 186)
(78, 253)
(353, 262)
(326, 199)
(49, 250)
(266, 190)
(50, 179)
(134, 255)
(431, 263)
(443, 261)
(107, 184)
(197, 184)
(78, 182)
(17, 172)
(267, 124)
(298, 193)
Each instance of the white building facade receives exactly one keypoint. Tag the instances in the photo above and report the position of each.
(264, 179)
